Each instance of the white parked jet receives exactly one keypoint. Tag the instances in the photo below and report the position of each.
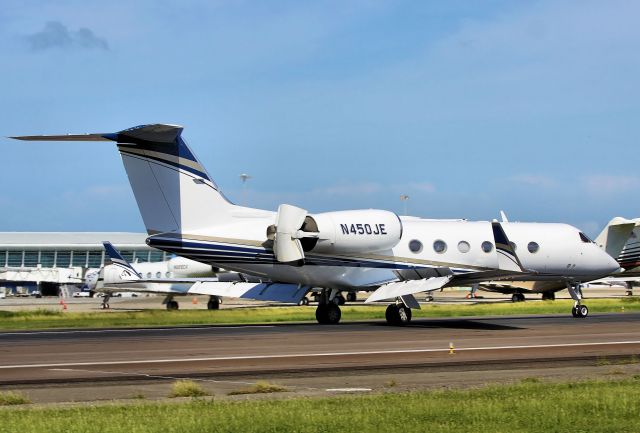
(395, 257)
(102, 280)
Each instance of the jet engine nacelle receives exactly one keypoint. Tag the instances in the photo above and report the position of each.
(352, 231)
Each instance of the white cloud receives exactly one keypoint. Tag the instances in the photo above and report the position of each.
(603, 184)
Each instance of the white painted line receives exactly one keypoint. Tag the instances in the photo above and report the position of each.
(348, 389)
(310, 355)
(100, 331)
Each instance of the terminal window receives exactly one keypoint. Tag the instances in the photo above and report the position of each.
(30, 259)
(3, 258)
(14, 259)
(79, 258)
(95, 259)
(47, 259)
(63, 259)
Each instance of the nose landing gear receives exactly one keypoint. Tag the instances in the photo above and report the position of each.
(579, 310)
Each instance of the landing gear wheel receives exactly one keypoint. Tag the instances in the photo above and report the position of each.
(398, 315)
(172, 305)
(328, 314)
(104, 306)
(213, 304)
(580, 311)
(339, 300)
(304, 301)
(352, 297)
(548, 296)
(517, 297)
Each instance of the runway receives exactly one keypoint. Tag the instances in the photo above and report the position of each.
(95, 358)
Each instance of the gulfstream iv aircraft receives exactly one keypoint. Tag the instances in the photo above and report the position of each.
(376, 250)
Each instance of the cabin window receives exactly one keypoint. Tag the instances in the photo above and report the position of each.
(168, 275)
(584, 238)
(148, 274)
(463, 246)
(487, 246)
(439, 246)
(415, 246)
(533, 247)
(158, 274)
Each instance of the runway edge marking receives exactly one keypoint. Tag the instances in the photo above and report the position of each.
(311, 355)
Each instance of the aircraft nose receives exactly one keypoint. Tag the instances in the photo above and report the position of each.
(611, 265)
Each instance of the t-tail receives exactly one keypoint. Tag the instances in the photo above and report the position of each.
(173, 190)
(116, 258)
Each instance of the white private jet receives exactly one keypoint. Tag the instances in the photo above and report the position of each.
(111, 279)
(613, 239)
(376, 250)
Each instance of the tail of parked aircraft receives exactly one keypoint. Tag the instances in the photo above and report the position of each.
(173, 190)
(615, 235)
(128, 273)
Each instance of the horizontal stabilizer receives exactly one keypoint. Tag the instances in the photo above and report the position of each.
(409, 287)
(157, 133)
(67, 137)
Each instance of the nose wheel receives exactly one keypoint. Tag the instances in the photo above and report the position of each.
(579, 310)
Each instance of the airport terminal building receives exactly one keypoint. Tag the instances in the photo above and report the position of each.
(46, 262)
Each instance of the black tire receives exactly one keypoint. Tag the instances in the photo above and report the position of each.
(404, 315)
(515, 298)
(548, 296)
(213, 304)
(583, 311)
(574, 312)
(352, 297)
(392, 315)
(303, 301)
(172, 305)
(328, 314)
(340, 300)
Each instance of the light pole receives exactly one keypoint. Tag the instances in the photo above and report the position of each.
(404, 198)
(244, 177)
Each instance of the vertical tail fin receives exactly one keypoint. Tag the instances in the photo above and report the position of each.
(173, 190)
(120, 262)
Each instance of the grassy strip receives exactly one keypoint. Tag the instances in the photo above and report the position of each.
(526, 407)
(11, 398)
(187, 388)
(260, 387)
(45, 319)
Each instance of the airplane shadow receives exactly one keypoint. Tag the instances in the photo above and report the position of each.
(472, 324)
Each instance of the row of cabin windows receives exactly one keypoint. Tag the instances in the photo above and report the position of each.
(440, 246)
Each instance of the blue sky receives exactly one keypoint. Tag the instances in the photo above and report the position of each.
(468, 107)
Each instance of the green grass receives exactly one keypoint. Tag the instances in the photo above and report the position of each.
(526, 407)
(260, 387)
(45, 319)
(187, 388)
(11, 398)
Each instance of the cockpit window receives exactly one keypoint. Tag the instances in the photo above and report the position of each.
(584, 238)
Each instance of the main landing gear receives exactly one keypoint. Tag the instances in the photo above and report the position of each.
(170, 303)
(517, 297)
(579, 310)
(328, 311)
(398, 314)
(105, 301)
(548, 296)
(214, 303)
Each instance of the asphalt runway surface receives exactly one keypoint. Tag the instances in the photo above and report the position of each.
(102, 364)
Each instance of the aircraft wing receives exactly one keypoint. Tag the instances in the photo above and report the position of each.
(289, 293)
(408, 287)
